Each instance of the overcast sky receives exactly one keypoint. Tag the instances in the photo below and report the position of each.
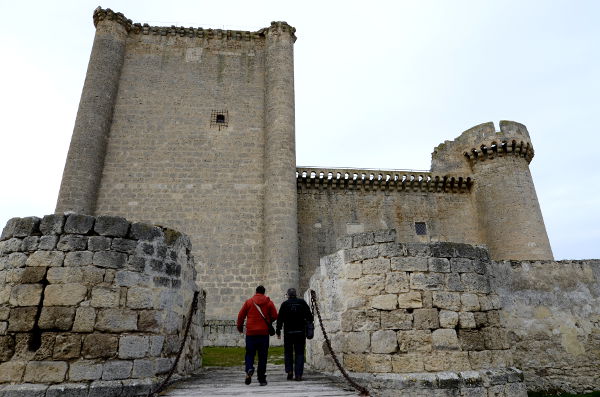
(378, 85)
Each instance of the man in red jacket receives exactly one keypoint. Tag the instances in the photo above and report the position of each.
(257, 332)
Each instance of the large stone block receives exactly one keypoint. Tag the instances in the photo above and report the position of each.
(26, 295)
(133, 346)
(72, 242)
(78, 224)
(117, 369)
(99, 243)
(30, 243)
(376, 266)
(384, 342)
(57, 318)
(12, 371)
(13, 261)
(46, 258)
(372, 284)
(414, 341)
(470, 302)
(357, 342)
(446, 300)
(410, 264)
(466, 320)
(52, 224)
(105, 297)
(85, 370)
(151, 321)
(67, 347)
(396, 319)
(69, 294)
(406, 363)
(21, 319)
(143, 231)
(410, 300)
(7, 347)
(33, 275)
(113, 226)
(445, 339)
(67, 390)
(385, 302)
(141, 298)
(446, 361)
(45, 371)
(64, 275)
(473, 282)
(85, 318)
(379, 363)
(448, 319)
(144, 368)
(426, 319)
(396, 282)
(47, 243)
(495, 338)
(100, 346)
(110, 259)
(439, 265)
(355, 362)
(427, 281)
(116, 320)
(124, 245)
(361, 320)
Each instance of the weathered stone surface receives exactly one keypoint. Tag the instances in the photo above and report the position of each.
(396, 282)
(67, 390)
(59, 318)
(156, 345)
(64, 275)
(150, 321)
(133, 346)
(464, 265)
(99, 243)
(143, 231)
(11, 371)
(9, 229)
(473, 282)
(113, 226)
(495, 338)
(30, 243)
(21, 319)
(110, 259)
(439, 265)
(470, 302)
(67, 347)
(385, 302)
(426, 319)
(23, 227)
(26, 295)
(85, 370)
(384, 342)
(412, 264)
(33, 275)
(72, 242)
(446, 361)
(100, 346)
(414, 341)
(410, 300)
(124, 245)
(7, 347)
(116, 320)
(45, 371)
(141, 298)
(52, 224)
(46, 258)
(409, 362)
(396, 319)
(14, 260)
(79, 224)
(355, 362)
(471, 340)
(11, 245)
(427, 281)
(445, 339)
(47, 243)
(105, 297)
(466, 320)
(85, 318)
(376, 266)
(117, 369)
(372, 284)
(144, 368)
(379, 363)
(448, 319)
(357, 342)
(361, 320)
(105, 388)
(64, 294)
(446, 300)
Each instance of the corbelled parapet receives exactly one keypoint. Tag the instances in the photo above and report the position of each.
(100, 14)
(373, 180)
(280, 27)
(94, 304)
(413, 318)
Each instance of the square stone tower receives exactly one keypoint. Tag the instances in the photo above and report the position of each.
(193, 129)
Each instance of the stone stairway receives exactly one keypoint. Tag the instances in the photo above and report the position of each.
(229, 381)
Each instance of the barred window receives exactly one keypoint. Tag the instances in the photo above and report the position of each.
(421, 228)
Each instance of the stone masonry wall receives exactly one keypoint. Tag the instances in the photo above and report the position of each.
(93, 303)
(406, 308)
(552, 312)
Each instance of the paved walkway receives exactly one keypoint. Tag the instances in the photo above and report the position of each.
(229, 381)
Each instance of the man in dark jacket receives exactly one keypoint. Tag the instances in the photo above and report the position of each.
(294, 314)
(257, 332)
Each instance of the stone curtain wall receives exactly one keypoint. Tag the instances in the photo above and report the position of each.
(414, 308)
(552, 311)
(94, 303)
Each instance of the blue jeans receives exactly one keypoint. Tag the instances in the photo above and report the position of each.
(257, 344)
(293, 351)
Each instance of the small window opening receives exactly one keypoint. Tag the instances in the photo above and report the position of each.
(219, 119)
(421, 228)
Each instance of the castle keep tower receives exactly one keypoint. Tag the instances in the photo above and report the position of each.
(508, 210)
(193, 129)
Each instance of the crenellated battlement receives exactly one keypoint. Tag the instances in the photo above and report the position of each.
(276, 27)
(372, 180)
(495, 149)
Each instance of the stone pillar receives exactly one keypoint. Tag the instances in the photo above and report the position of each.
(280, 202)
(508, 207)
(85, 160)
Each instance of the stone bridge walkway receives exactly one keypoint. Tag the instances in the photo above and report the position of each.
(230, 382)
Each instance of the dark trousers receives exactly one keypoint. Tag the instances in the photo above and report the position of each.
(257, 344)
(293, 351)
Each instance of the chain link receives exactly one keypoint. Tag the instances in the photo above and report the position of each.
(315, 307)
(185, 335)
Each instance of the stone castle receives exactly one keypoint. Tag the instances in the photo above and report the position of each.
(193, 129)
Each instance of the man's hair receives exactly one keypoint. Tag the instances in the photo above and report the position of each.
(291, 292)
(260, 289)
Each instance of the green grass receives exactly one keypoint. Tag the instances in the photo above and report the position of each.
(234, 356)
(558, 394)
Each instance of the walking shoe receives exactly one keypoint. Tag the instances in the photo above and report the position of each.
(248, 379)
(298, 378)
(263, 383)
(290, 375)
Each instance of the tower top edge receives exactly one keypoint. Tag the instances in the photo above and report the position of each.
(101, 14)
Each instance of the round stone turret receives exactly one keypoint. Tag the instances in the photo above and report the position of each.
(510, 219)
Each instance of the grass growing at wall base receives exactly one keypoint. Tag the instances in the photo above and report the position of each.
(234, 356)
(558, 394)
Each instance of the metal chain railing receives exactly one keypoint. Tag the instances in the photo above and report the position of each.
(193, 308)
(315, 308)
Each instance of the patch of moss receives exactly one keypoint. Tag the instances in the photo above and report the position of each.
(214, 356)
